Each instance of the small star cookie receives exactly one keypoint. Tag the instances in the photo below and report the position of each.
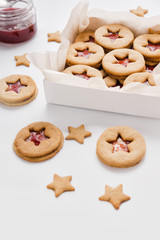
(139, 11)
(61, 184)
(78, 134)
(114, 195)
(54, 37)
(22, 60)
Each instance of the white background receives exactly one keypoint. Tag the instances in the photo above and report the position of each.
(28, 210)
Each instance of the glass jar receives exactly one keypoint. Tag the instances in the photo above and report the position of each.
(18, 23)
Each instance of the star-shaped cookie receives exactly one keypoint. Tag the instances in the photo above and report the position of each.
(61, 184)
(78, 134)
(139, 11)
(56, 37)
(114, 195)
(22, 60)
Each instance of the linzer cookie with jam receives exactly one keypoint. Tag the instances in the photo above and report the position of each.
(87, 53)
(120, 63)
(143, 77)
(121, 147)
(83, 71)
(114, 36)
(38, 142)
(149, 46)
(17, 90)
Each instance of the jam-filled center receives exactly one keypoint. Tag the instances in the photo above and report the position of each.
(83, 75)
(150, 68)
(37, 137)
(120, 145)
(85, 53)
(124, 62)
(16, 87)
(113, 36)
(153, 47)
(91, 39)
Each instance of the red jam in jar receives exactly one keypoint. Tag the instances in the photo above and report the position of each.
(16, 87)
(85, 53)
(120, 145)
(83, 75)
(37, 137)
(18, 23)
(123, 62)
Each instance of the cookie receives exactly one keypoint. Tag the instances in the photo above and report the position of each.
(38, 141)
(17, 90)
(61, 185)
(54, 37)
(143, 77)
(86, 36)
(22, 60)
(139, 11)
(88, 53)
(121, 147)
(120, 63)
(83, 71)
(112, 82)
(150, 66)
(149, 46)
(115, 196)
(114, 36)
(155, 29)
(78, 134)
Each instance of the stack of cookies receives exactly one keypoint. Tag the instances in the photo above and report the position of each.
(112, 53)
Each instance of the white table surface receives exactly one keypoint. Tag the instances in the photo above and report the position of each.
(28, 210)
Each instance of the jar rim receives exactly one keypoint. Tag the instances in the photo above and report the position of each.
(17, 12)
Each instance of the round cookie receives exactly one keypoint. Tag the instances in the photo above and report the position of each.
(120, 63)
(121, 147)
(149, 46)
(17, 90)
(38, 141)
(114, 36)
(86, 36)
(83, 71)
(88, 53)
(112, 82)
(143, 77)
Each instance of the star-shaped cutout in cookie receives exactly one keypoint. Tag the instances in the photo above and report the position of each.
(78, 134)
(114, 195)
(139, 11)
(61, 184)
(54, 37)
(22, 60)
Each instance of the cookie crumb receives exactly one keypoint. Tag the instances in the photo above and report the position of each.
(139, 11)
(114, 195)
(54, 37)
(22, 60)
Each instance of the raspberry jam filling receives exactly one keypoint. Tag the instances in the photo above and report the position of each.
(91, 39)
(16, 87)
(36, 137)
(150, 68)
(123, 62)
(113, 36)
(120, 145)
(85, 53)
(83, 75)
(153, 47)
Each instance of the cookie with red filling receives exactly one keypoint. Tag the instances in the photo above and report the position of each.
(114, 36)
(85, 53)
(17, 90)
(38, 142)
(86, 36)
(120, 63)
(83, 71)
(121, 146)
(149, 46)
